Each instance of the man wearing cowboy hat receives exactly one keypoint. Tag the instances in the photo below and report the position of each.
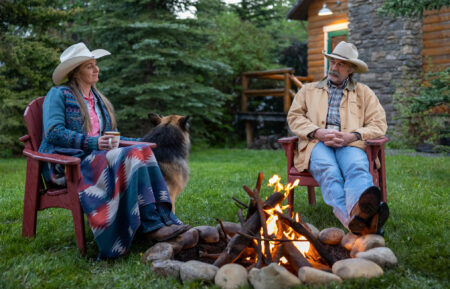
(332, 118)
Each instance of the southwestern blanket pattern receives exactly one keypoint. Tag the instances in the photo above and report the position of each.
(119, 189)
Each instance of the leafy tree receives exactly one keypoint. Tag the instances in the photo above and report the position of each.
(28, 54)
(248, 36)
(270, 16)
(411, 8)
(423, 111)
(259, 12)
(156, 64)
(296, 56)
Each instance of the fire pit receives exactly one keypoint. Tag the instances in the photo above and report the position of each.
(268, 240)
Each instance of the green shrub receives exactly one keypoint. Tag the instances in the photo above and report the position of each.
(423, 110)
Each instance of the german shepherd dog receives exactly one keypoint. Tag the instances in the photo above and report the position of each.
(171, 135)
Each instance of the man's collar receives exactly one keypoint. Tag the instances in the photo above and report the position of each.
(324, 83)
(340, 86)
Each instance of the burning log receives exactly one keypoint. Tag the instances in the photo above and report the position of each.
(251, 227)
(241, 217)
(262, 217)
(305, 232)
(260, 255)
(295, 258)
(239, 203)
(223, 229)
(208, 255)
(252, 207)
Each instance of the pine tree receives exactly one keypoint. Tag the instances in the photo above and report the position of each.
(156, 65)
(29, 51)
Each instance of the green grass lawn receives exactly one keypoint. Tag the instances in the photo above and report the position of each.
(417, 231)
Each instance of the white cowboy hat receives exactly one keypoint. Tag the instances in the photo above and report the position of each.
(347, 52)
(72, 57)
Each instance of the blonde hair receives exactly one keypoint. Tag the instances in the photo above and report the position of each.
(72, 83)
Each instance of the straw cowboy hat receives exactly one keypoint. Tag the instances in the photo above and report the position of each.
(347, 52)
(72, 57)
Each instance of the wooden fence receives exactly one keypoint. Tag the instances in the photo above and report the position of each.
(287, 93)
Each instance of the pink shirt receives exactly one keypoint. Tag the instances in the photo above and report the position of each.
(95, 125)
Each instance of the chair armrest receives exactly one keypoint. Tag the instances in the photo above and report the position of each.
(127, 143)
(291, 139)
(24, 138)
(377, 142)
(52, 158)
(289, 144)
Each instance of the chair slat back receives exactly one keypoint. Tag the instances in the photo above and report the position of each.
(33, 120)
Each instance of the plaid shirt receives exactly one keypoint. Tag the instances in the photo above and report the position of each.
(334, 102)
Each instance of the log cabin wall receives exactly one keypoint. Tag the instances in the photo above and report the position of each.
(391, 47)
(436, 39)
(316, 37)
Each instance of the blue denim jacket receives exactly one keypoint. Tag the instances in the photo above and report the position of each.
(63, 126)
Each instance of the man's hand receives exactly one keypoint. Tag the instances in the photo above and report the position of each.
(324, 134)
(334, 138)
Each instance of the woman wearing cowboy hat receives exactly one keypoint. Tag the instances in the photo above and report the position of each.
(332, 118)
(121, 189)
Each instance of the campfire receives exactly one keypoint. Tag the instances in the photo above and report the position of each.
(269, 246)
(268, 235)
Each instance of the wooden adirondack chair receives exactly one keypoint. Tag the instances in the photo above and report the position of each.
(375, 155)
(40, 195)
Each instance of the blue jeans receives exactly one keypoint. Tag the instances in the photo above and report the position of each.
(343, 175)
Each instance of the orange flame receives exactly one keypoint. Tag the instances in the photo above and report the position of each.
(273, 225)
(278, 187)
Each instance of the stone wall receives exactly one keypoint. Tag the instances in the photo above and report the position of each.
(391, 47)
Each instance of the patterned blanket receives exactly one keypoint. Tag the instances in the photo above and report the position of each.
(121, 190)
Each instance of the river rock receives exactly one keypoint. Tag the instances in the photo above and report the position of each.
(356, 268)
(231, 276)
(196, 270)
(331, 236)
(159, 251)
(177, 244)
(230, 227)
(272, 276)
(208, 234)
(190, 238)
(311, 275)
(365, 243)
(383, 256)
(348, 240)
(314, 231)
(167, 268)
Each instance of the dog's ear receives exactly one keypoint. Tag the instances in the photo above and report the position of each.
(154, 118)
(184, 123)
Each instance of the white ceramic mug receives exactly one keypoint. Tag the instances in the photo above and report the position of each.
(115, 138)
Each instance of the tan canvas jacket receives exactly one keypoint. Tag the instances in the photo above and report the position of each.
(360, 111)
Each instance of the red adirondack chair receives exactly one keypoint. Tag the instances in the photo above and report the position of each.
(375, 154)
(40, 195)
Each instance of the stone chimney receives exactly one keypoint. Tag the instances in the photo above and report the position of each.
(391, 47)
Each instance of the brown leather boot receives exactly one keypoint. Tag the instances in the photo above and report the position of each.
(368, 203)
(167, 232)
(376, 223)
(367, 206)
(357, 225)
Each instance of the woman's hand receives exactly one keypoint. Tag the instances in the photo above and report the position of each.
(106, 142)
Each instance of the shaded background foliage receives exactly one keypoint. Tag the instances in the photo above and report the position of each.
(155, 64)
(411, 8)
(159, 63)
(30, 38)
